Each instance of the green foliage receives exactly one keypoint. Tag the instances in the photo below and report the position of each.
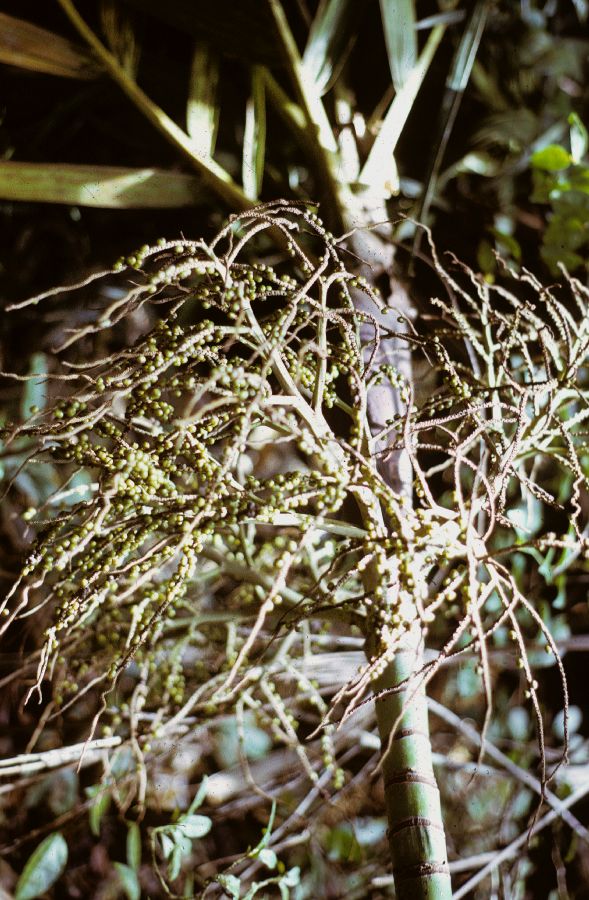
(561, 179)
(283, 882)
(43, 868)
(100, 806)
(174, 841)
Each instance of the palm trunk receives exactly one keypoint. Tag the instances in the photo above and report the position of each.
(416, 834)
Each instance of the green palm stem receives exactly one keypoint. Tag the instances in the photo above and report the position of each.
(416, 835)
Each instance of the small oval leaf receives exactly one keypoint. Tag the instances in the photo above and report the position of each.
(194, 826)
(268, 857)
(231, 883)
(43, 868)
(551, 158)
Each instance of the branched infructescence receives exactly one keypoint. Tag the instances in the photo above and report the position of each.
(236, 504)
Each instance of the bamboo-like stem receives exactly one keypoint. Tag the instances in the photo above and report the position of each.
(416, 830)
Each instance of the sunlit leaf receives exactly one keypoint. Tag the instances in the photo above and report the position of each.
(29, 47)
(110, 187)
(254, 138)
(575, 719)
(579, 138)
(43, 868)
(202, 110)
(256, 742)
(551, 158)
(330, 40)
(398, 20)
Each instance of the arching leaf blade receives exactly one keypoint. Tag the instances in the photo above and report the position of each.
(330, 40)
(202, 109)
(28, 46)
(398, 22)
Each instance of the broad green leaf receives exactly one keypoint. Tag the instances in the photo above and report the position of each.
(194, 826)
(29, 47)
(122, 762)
(202, 109)
(129, 881)
(579, 138)
(398, 20)
(254, 138)
(35, 392)
(551, 159)
(134, 846)
(330, 40)
(108, 187)
(43, 868)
